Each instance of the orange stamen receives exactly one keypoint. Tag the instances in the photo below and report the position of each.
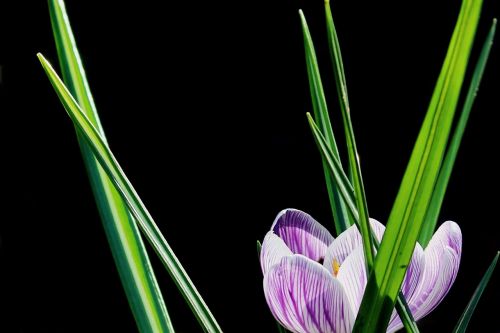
(336, 267)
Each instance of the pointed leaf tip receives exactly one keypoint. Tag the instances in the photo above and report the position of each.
(341, 217)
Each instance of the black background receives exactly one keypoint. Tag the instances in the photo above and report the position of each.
(204, 106)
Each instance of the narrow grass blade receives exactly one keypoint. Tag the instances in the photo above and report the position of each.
(359, 199)
(338, 70)
(134, 203)
(340, 216)
(451, 155)
(345, 188)
(347, 193)
(340, 80)
(469, 310)
(135, 270)
(357, 179)
(405, 314)
(408, 213)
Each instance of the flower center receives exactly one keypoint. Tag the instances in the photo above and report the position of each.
(336, 267)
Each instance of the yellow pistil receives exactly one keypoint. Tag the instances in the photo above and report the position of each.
(336, 267)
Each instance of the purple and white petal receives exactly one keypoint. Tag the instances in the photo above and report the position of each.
(302, 234)
(442, 260)
(273, 250)
(347, 242)
(305, 298)
(342, 247)
(352, 276)
(414, 272)
(377, 228)
(412, 277)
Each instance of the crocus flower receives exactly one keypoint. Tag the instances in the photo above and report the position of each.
(315, 283)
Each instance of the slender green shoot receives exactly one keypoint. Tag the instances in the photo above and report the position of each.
(341, 217)
(357, 179)
(133, 201)
(463, 322)
(136, 273)
(338, 70)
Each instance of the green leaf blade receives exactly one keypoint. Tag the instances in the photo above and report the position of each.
(341, 217)
(341, 180)
(338, 70)
(469, 310)
(407, 216)
(354, 165)
(135, 270)
(432, 214)
(133, 201)
(405, 314)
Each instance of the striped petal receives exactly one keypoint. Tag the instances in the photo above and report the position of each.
(302, 234)
(273, 250)
(377, 228)
(342, 247)
(352, 276)
(347, 242)
(413, 275)
(414, 272)
(305, 298)
(442, 259)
